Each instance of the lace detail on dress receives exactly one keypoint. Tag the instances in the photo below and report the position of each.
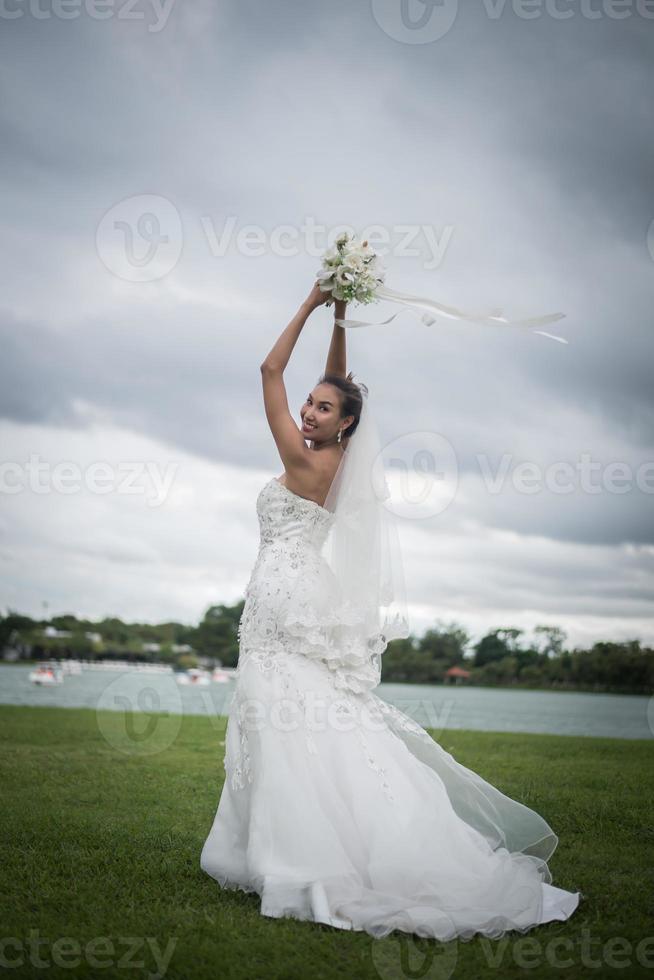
(289, 617)
(354, 708)
(292, 601)
(241, 770)
(401, 720)
(291, 527)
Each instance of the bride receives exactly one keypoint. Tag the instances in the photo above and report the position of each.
(337, 807)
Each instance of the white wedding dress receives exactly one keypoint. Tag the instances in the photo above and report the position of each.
(339, 808)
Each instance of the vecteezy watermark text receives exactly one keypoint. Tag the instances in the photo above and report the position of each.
(426, 21)
(99, 953)
(424, 469)
(311, 238)
(563, 476)
(99, 477)
(127, 10)
(408, 956)
(141, 238)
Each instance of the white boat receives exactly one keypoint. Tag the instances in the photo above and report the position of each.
(46, 674)
(221, 675)
(194, 676)
(126, 665)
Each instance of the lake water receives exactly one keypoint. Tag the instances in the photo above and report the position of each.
(433, 706)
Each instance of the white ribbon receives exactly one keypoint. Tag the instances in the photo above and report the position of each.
(418, 303)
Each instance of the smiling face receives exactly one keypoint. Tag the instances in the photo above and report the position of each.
(321, 415)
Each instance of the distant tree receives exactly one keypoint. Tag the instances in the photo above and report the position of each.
(503, 671)
(425, 660)
(66, 622)
(216, 636)
(446, 643)
(551, 640)
(511, 637)
(499, 656)
(527, 657)
(114, 630)
(79, 646)
(490, 648)
(531, 676)
(14, 621)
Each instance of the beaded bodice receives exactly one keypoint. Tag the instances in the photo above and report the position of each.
(290, 575)
(285, 516)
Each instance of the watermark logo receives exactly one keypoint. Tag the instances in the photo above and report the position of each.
(156, 12)
(415, 21)
(568, 9)
(99, 953)
(419, 474)
(650, 714)
(408, 956)
(422, 471)
(312, 238)
(426, 21)
(140, 477)
(650, 239)
(564, 476)
(140, 238)
(135, 718)
(317, 713)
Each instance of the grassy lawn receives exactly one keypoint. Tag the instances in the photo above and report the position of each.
(101, 839)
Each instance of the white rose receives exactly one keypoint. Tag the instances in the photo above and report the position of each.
(344, 276)
(354, 262)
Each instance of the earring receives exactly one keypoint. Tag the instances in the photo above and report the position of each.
(339, 435)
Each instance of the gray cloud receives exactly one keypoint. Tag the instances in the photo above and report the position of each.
(531, 139)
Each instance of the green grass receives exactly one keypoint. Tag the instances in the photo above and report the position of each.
(102, 839)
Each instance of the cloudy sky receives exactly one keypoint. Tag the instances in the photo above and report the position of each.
(171, 173)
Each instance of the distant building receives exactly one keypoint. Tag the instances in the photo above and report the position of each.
(182, 648)
(54, 633)
(151, 647)
(456, 675)
(94, 637)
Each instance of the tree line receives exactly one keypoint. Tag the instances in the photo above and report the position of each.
(503, 657)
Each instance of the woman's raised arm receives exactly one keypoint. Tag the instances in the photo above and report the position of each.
(337, 355)
(290, 441)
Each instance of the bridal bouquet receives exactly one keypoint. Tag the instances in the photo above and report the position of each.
(352, 271)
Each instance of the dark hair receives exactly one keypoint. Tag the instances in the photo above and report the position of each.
(351, 398)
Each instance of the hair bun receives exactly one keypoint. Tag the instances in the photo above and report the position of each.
(358, 384)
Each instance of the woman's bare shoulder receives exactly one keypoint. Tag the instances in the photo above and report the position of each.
(314, 480)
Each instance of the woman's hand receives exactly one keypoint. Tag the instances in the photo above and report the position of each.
(317, 297)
